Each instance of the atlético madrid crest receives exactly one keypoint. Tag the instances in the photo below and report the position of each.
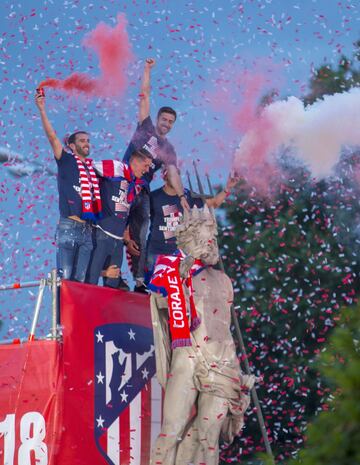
(127, 396)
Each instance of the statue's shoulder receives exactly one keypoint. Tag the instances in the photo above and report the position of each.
(224, 279)
(215, 276)
(218, 273)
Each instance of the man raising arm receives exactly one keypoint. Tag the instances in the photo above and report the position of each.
(79, 198)
(153, 139)
(165, 120)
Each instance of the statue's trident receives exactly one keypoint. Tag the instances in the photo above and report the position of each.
(201, 194)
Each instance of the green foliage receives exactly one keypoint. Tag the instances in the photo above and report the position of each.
(328, 81)
(294, 263)
(294, 259)
(334, 437)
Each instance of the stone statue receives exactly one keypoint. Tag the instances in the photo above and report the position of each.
(206, 394)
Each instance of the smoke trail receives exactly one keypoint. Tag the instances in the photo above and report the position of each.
(316, 134)
(244, 85)
(114, 51)
(236, 93)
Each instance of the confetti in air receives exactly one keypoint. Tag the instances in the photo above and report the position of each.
(294, 259)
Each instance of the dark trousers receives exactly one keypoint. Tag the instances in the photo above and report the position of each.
(139, 219)
(108, 251)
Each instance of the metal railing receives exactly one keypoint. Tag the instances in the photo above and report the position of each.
(52, 282)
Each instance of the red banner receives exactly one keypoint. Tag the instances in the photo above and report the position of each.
(30, 396)
(92, 399)
(111, 400)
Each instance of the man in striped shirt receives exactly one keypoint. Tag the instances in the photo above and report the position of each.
(79, 198)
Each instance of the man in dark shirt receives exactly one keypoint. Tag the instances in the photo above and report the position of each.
(79, 199)
(165, 215)
(152, 138)
(119, 185)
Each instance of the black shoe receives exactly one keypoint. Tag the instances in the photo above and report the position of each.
(142, 289)
(123, 285)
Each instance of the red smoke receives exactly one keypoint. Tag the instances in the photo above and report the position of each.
(239, 96)
(114, 51)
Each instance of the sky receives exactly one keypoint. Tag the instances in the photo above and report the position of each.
(200, 47)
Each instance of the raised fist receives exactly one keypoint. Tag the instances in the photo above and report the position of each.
(150, 62)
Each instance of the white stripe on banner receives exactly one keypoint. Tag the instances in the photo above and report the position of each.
(135, 430)
(113, 439)
(156, 408)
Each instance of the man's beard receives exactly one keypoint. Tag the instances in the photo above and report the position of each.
(162, 131)
(82, 152)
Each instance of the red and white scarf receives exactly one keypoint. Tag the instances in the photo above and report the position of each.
(166, 280)
(116, 170)
(89, 190)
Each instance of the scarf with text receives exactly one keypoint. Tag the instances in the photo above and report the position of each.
(89, 189)
(166, 280)
(115, 170)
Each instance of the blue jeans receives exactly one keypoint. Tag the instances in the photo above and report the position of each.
(74, 246)
(139, 219)
(108, 251)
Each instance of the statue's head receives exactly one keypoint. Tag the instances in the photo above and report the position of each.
(196, 235)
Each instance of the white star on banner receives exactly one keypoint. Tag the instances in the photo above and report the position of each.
(124, 397)
(100, 378)
(145, 373)
(100, 422)
(99, 337)
(131, 334)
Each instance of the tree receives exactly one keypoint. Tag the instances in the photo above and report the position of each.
(293, 264)
(333, 438)
(294, 259)
(328, 81)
